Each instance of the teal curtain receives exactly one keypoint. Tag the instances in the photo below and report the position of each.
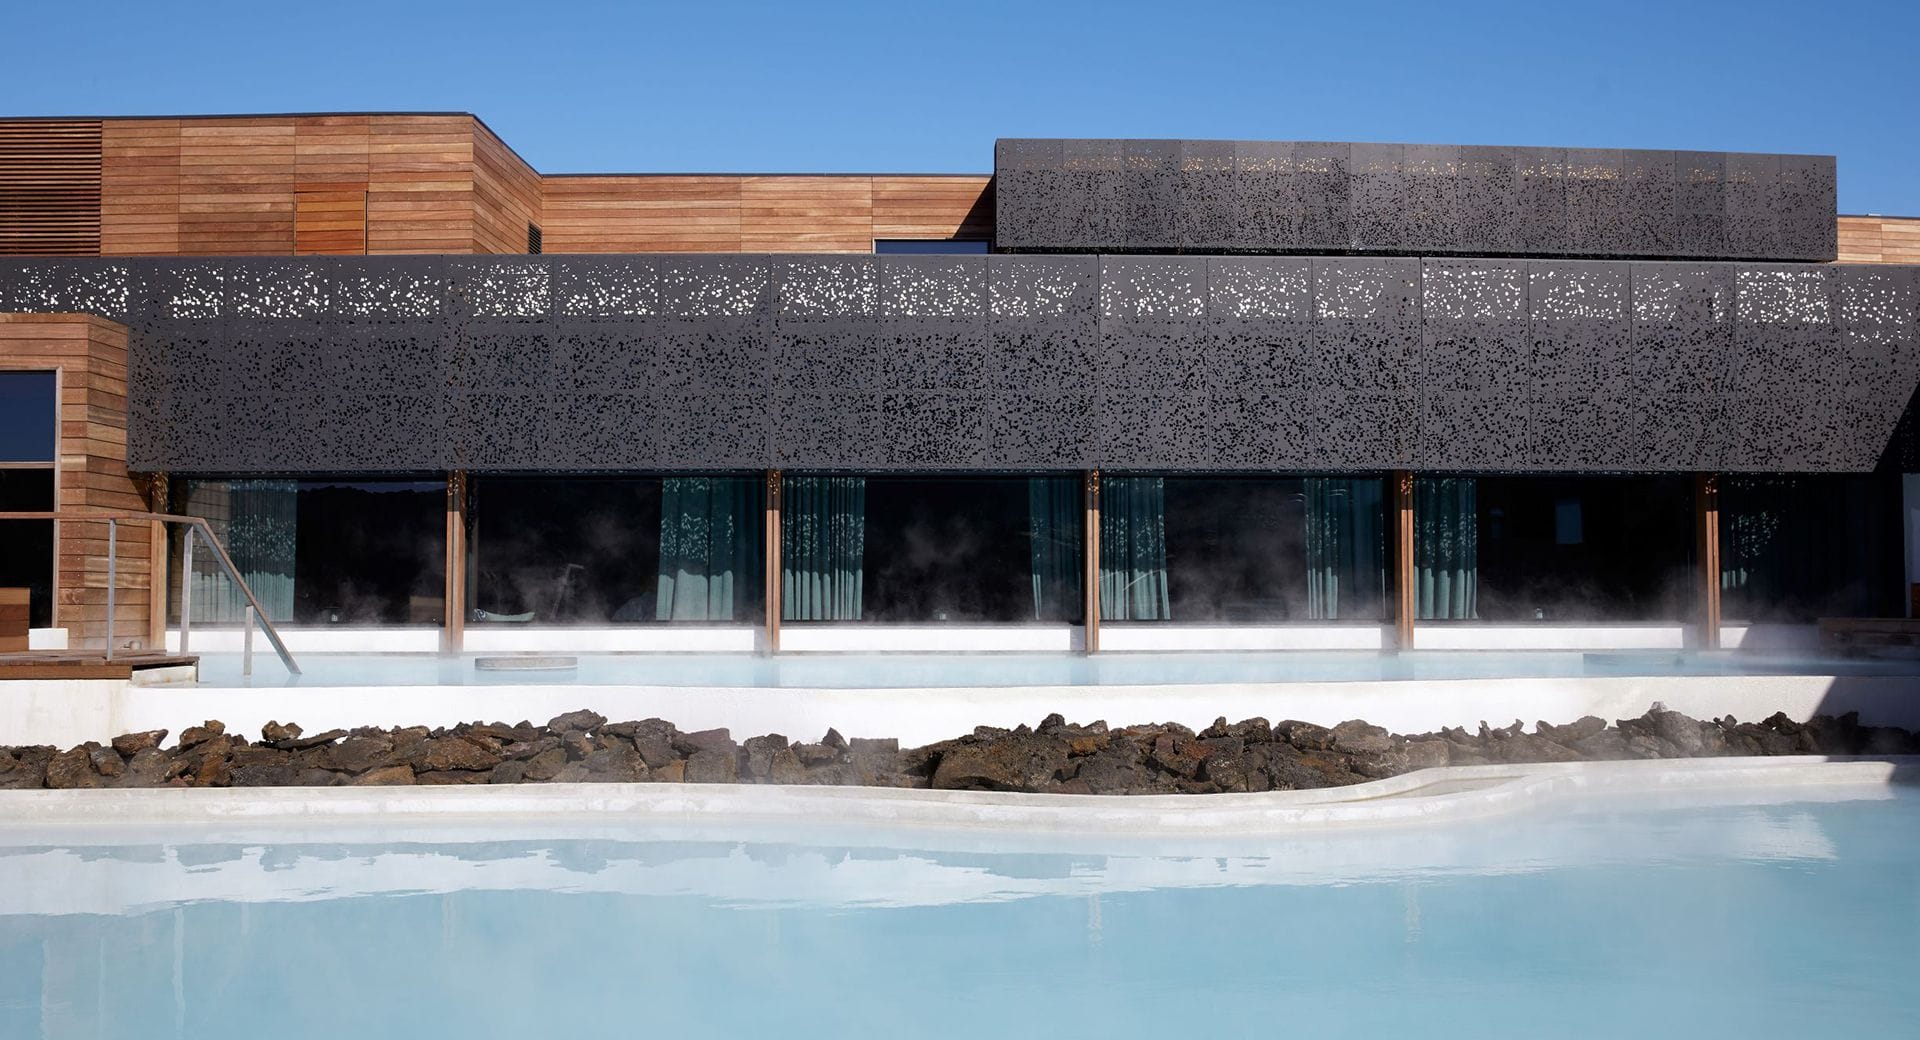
(1133, 549)
(1446, 547)
(1053, 537)
(1346, 547)
(823, 544)
(709, 547)
(257, 522)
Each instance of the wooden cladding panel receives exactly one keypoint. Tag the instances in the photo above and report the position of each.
(1880, 240)
(90, 355)
(236, 187)
(50, 187)
(782, 214)
(140, 187)
(330, 222)
(420, 184)
(506, 196)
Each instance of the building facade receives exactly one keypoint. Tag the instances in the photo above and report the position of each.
(1115, 395)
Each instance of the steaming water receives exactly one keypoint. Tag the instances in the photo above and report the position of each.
(882, 671)
(1604, 919)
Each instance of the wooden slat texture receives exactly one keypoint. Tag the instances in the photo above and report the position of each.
(777, 214)
(506, 196)
(90, 355)
(330, 222)
(1880, 240)
(420, 184)
(50, 187)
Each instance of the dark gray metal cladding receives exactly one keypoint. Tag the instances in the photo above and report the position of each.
(1004, 362)
(1321, 197)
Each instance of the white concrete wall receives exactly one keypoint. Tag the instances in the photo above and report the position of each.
(66, 713)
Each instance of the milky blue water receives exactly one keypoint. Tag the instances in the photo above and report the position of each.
(882, 671)
(1616, 919)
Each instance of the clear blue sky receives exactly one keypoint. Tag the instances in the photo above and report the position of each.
(903, 86)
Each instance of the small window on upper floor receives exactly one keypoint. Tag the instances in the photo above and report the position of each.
(930, 245)
(29, 424)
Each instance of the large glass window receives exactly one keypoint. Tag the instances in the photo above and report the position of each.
(29, 433)
(1546, 548)
(319, 552)
(949, 548)
(614, 550)
(1242, 549)
(1799, 548)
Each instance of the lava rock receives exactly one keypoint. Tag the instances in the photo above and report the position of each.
(131, 744)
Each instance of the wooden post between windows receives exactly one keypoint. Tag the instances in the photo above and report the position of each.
(157, 564)
(1090, 562)
(453, 625)
(771, 585)
(1706, 527)
(1403, 575)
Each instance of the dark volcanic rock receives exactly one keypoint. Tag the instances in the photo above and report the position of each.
(1359, 738)
(1022, 763)
(577, 721)
(717, 766)
(388, 776)
(195, 735)
(131, 744)
(444, 753)
(70, 770)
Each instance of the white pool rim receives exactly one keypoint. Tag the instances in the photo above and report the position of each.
(1429, 795)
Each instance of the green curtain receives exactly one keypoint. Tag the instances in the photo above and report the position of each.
(257, 521)
(1053, 538)
(709, 547)
(1133, 549)
(823, 543)
(1446, 547)
(1346, 546)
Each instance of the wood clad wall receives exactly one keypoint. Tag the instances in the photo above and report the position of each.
(50, 187)
(784, 214)
(1880, 240)
(91, 356)
(506, 196)
(283, 185)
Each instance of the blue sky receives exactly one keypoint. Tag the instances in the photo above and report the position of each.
(902, 86)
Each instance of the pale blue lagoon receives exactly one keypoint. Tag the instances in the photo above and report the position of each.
(1731, 915)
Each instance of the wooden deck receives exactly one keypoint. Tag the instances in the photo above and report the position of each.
(80, 664)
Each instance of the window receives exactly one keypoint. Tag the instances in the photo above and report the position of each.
(29, 435)
(931, 549)
(614, 550)
(1794, 549)
(974, 246)
(320, 552)
(533, 239)
(1593, 549)
(1242, 549)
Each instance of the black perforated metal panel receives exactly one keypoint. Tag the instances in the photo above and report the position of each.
(1021, 362)
(1319, 197)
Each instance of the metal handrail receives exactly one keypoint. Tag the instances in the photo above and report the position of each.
(193, 524)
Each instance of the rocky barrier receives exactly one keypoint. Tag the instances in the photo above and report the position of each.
(1056, 756)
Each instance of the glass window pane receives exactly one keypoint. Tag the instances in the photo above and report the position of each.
(931, 549)
(319, 552)
(1240, 549)
(26, 562)
(26, 490)
(614, 550)
(1794, 549)
(1546, 548)
(29, 422)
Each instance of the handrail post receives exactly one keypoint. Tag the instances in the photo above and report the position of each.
(113, 531)
(186, 589)
(246, 644)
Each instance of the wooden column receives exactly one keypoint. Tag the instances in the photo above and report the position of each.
(157, 563)
(453, 628)
(1706, 530)
(1403, 576)
(1090, 562)
(771, 584)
